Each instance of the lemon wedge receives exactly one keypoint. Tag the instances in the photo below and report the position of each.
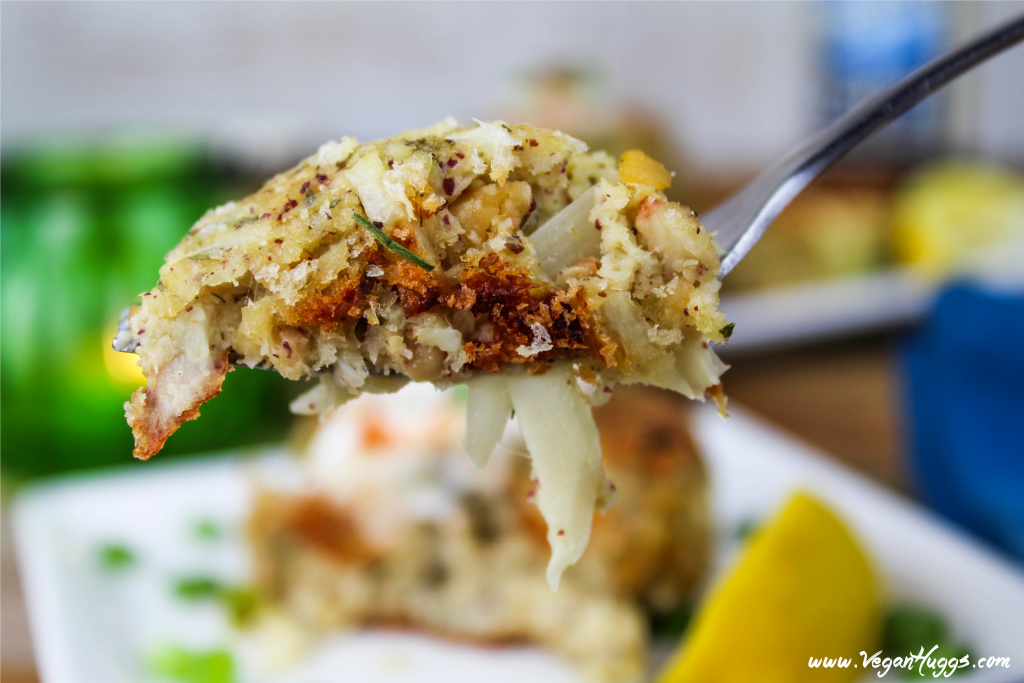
(803, 590)
(945, 212)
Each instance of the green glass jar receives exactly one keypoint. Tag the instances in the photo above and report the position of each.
(84, 227)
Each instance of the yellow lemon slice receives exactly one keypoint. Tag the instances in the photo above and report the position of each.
(944, 212)
(803, 590)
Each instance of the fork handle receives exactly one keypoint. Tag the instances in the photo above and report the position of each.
(742, 219)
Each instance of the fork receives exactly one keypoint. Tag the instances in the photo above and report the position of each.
(742, 219)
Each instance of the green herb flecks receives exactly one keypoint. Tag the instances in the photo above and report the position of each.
(207, 530)
(424, 145)
(198, 588)
(334, 203)
(392, 245)
(116, 556)
(240, 602)
(188, 666)
(908, 628)
(745, 529)
(671, 624)
(727, 330)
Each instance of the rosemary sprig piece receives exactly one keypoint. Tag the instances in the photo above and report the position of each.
(392, 245)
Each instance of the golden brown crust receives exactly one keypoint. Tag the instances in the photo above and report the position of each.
(151, 423)
(498, 292)
(510, 301)
(717, 392)
(341, 301)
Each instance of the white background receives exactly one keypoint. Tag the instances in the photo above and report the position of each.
(736, 80)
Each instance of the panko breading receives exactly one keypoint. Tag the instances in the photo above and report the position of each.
(393, 528)
(506, 257)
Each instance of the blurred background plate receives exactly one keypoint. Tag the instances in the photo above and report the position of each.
(811, 312)
(86, 619)
(862, 252)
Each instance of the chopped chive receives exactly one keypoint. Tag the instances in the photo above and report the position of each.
(727, 330)
(745, 528)
(188, 666)
(673, 623)
(198, 588)
(241, 604)
(207, 529)
(116, 556)
(392, 245)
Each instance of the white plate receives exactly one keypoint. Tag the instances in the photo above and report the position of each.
(91, 624)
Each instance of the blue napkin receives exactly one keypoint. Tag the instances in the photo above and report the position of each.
(965, 386)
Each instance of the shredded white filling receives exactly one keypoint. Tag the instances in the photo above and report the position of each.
(488, 410)
(568, 236)
(335, 152)
(366, 175)
(561, 435)
(541, 342)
